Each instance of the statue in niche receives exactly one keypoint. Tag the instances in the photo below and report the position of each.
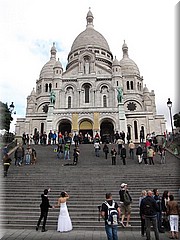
(52, 97)
(87, 67)
(120, 95)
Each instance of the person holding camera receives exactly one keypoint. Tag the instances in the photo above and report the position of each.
(64, 220)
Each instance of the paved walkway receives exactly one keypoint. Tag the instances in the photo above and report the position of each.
(73, 235)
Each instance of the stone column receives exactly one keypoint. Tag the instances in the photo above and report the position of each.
(96, 126)
(75, 127)
(122, 118)
(49, 121)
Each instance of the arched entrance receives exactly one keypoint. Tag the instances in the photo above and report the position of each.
(86, 127)
(65, 126)
(107, 131)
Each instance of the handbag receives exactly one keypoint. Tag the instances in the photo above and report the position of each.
(165, 221)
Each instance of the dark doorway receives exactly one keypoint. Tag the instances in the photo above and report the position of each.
(107, 132)
(135, 130)
(42, 128)
(35, 131)
(65, 126)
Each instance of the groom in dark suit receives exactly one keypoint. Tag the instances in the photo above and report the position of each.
(44, 210)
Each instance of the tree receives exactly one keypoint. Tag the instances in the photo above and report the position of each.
(5, 117)
(176, 118)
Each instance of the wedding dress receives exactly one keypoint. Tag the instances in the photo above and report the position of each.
(64, 221)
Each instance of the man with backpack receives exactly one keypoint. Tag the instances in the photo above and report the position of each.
(149, 209)
(110, 212)
(125, 200)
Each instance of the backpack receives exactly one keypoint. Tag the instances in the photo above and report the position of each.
(112, 214)
(127, 199)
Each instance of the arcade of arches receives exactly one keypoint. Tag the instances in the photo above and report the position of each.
(86, 126)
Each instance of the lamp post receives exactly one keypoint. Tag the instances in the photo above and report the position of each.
(11, 108)
(169, 104)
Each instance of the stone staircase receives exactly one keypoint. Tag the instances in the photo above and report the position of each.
(86, 184)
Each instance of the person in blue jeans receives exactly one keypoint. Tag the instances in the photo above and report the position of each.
(111, 229)
(66, 151)
(149, 209)
(97, 148)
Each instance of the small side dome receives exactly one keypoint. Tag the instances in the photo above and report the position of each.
(33, 93)
(128, 66)
(47, 70)
(58, 64)
(145, 89)
(115, 62)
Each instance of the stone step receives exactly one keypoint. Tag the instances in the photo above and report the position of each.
(87, 227)
(86, 183)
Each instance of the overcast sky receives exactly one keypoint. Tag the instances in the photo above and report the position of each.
(29, 28)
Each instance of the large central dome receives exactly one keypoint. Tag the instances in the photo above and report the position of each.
(90, 37)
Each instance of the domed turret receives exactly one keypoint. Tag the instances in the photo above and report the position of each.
(58, 68)
(33, 93)
(116, 62)
(58, 64)
(145, 89)
(128, 66)
(47, 70)
(116, 68)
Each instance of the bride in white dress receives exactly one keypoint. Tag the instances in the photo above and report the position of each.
(64, 221)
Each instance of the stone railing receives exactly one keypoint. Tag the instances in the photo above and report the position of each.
(174, 147)
(12, 145)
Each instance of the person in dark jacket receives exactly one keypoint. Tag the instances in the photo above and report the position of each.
(106, 150)
(75, 155)
(6, 162)
(139, 154)
(149, 209)
(76, 139)
(19, 155)
(113, 155)
(159, 213)
(123, 154)
(164, 201)
(144, 155)
(44, 210)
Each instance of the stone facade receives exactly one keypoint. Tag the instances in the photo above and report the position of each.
(86, 93)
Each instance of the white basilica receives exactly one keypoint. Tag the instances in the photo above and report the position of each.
(95, 92)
